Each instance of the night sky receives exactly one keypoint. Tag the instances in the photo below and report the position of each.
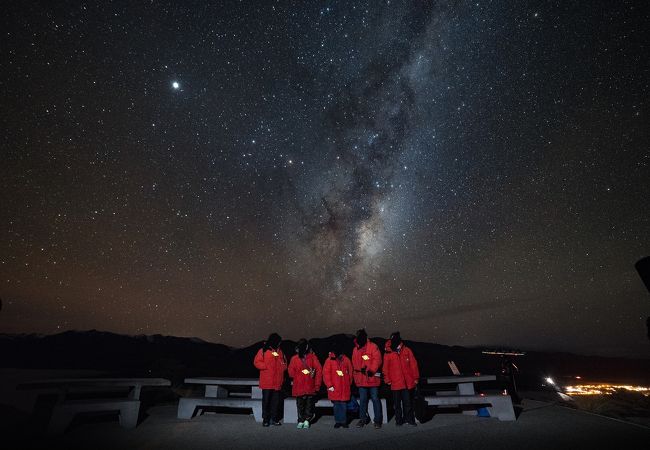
(472, 173)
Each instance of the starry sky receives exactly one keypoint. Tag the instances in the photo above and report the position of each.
(471, 173)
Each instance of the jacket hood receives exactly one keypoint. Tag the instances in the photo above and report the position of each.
(361, 338)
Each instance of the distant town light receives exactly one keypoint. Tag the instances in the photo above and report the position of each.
(605, 389)
(549, 380)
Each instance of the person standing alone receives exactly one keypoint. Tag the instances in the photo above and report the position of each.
(271, 363)
(401, 373)
(366, 361)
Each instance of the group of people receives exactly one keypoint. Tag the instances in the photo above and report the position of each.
(398, 366)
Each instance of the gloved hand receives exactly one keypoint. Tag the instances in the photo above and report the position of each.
(363, 370)
(370, 373)
(331, 388)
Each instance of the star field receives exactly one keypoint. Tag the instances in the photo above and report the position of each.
(471, 173)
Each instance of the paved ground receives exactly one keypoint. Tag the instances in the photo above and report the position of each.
(541, 425)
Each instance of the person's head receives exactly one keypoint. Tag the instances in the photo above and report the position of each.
(273, 341)
(395, 340)
(302, 348)
(361, 337)
(336, 349)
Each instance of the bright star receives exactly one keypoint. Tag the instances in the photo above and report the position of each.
(175, 85)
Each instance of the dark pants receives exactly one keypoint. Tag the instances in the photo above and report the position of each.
(376, 404)
(340, 411)
(270, 405)
(403, 402)
(305, 405)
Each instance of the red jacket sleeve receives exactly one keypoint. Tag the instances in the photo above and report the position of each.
(375, 359)
(293, 366)
(326, 373)
(414, 366)
(284, 361)
(387, 366)
(318, 377)
(348, 363)
(259, 360)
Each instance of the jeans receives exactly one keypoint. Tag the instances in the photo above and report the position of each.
(305, 406)
(270, 405)
(376, 404)
(403, 402)
(340, 411)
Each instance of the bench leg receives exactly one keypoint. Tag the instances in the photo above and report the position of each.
(257, 412)
(502, 408)
(216, 391)
(129, 414)
(290, 411)
(59, 421)
(186, 407)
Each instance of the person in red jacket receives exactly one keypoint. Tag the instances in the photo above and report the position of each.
(337, 375)
(307, 374)
(401, 373)
(271, 363)
(366, 360)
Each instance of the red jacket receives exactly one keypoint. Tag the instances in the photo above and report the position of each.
(272, 365)
(400, 368)
(338, 373)
(369, 357)
(301, 372)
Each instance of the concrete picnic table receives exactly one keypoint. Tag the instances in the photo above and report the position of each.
(464, 383)
(499, 406)
(215, 386)
(65, 384)
(218, 394)
(65, 409)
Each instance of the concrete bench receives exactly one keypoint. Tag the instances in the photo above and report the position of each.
(499, 406)
(188, 407)
(63, 413)
(291, 414)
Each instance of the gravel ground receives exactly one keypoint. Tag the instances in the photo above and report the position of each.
(541, 425)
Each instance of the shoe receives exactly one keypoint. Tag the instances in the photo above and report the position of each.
(361, 423)
(265, 423)
(337, 425)
(377, 425)
(276, 423)
(399, 424)
(300, 425)
(345, 425)
(305, 424)
(413, 424)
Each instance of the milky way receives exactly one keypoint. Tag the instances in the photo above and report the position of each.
(470, 173)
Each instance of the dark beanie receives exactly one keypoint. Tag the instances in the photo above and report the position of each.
(395, 340)
(273, 341)
(302, 347)
(336, 347)
(362, 337)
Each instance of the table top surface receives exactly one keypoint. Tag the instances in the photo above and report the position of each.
(460, 379)
(224, 381)
(54, 382)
